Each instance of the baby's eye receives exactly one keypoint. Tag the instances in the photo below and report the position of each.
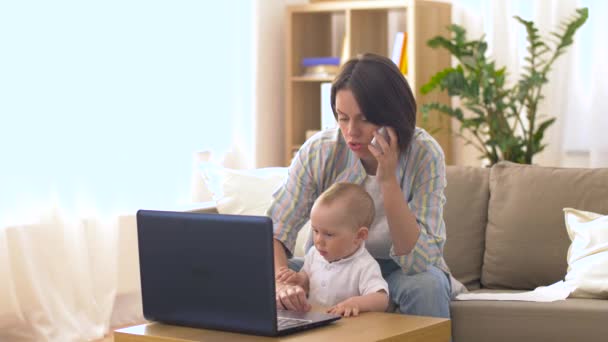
(329, 234)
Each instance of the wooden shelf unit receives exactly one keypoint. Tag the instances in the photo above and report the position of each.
(319, 29)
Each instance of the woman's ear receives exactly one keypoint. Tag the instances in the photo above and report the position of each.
(362, 233)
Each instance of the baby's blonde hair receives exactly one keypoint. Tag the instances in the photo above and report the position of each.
(358, 203)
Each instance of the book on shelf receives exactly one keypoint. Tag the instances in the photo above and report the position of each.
(399, 53)
(321, 71)
(397, 48)
(312, 61)
(320, 66)
(403, 63)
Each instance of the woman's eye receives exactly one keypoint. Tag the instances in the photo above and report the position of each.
(342, 119)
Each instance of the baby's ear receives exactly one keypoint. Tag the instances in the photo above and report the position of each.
(362, 233)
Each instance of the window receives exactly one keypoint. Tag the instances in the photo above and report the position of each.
(103, 104)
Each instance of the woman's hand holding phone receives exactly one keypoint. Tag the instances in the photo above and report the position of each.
(382, 131)
(386, 153)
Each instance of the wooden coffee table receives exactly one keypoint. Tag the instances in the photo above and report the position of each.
(370, 326)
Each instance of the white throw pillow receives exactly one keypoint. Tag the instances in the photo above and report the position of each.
(588, 253)
(247, 192)
(244, 192)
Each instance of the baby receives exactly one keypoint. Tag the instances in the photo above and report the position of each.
(338, 271)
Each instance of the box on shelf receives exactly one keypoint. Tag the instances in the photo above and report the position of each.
(320, 66)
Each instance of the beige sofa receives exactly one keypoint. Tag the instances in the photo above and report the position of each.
(506, 232)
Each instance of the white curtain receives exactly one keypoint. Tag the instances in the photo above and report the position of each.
(60, 280)
(577, 83)
(596, 82)
(102, 107)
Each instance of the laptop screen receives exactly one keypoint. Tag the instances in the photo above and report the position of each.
(207, 270)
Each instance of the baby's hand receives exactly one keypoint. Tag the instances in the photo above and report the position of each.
(346, 308)
(285, 275)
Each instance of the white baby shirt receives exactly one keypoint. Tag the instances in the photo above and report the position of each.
(332, 283)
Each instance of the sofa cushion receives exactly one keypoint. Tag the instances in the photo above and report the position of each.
(243, 192)
(465, 215)
(588, 253)
(565, 320)
(526, 237)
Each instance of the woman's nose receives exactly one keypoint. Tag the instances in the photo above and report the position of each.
(353, 129)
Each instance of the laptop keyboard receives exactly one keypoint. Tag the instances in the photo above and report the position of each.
(284, 322)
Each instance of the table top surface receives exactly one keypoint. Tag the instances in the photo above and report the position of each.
(369, 326)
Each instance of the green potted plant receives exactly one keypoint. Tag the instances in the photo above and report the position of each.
(502, 120)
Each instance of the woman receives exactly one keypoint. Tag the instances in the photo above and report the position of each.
(405, 175)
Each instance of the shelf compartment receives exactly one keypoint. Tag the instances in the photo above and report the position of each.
(306, 109)
(362, 39)
(315, 35)
(380, 41)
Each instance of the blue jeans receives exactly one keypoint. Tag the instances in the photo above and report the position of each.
(422, 294)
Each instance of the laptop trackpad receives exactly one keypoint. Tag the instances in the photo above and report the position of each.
(289, 319)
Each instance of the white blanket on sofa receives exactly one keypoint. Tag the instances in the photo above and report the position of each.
(551, 293)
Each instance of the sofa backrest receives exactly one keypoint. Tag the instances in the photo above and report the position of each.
(465, 216)
(526, 240)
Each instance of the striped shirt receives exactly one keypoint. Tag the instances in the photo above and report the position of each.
(326, 159)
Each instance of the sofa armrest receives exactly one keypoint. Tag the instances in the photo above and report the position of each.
(203, 207)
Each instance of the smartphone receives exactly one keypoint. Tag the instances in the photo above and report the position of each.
(382, 131)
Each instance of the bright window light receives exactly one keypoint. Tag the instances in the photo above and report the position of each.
(103, 104)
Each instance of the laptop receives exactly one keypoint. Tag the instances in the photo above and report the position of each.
(213, 271)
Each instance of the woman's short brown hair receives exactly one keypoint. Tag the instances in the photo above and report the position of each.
(382, 93)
